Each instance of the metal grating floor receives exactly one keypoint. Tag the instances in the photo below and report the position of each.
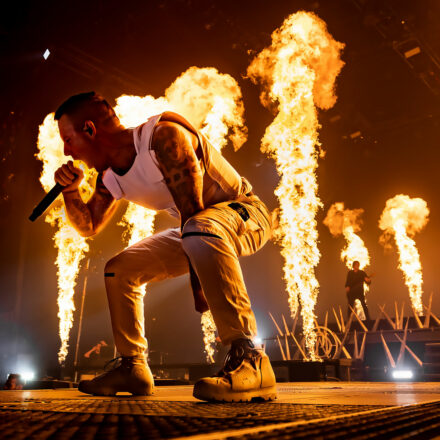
(272, 411)
(303, 411)
(421, 421)
(140, 419)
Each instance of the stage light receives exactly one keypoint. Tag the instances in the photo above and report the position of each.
(402, 374)
(410, 53)
(46, 54)
(27, 375)
(258, 340)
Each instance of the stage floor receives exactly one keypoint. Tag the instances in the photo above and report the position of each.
(303, 410)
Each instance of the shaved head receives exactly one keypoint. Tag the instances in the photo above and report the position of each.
(88, 106)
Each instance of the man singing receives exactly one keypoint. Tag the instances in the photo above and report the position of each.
(166, 164)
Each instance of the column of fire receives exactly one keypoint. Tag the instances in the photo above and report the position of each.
(298, 72)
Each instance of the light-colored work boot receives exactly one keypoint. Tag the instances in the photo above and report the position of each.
(247, 375)
(133, 375)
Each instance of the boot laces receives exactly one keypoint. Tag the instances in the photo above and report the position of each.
(120, 361)
(236, 355)
(114, 363)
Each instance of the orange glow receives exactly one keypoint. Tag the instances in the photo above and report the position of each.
(402, 218)
(347, 222)
(298, 73)
(208, 329)
(71, 246)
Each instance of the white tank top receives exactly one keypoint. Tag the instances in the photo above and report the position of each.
(145, 185)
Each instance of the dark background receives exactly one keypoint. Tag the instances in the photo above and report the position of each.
(140, 48)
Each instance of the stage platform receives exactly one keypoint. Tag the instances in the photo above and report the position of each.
(303, 410)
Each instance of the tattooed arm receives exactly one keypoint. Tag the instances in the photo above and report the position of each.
(87, 218)
(175, 149)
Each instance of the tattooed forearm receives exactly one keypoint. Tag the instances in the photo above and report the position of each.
(78, 213)
(102, 205)
(89, 218)
(175, 152)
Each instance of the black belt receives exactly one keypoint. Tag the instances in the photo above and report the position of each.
(238, 207)
(199, 234)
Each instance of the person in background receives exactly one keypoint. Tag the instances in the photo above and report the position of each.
(96, 349)
(13, 382)
(354, 287)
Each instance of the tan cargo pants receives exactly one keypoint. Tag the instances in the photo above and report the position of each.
(213, 240)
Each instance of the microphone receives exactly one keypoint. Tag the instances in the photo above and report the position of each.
(46, 201)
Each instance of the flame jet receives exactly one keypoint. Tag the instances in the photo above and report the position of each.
(402, 218)
(209, 330)
(347, 222)
(298, 73)
(71, 246)
(210, 100)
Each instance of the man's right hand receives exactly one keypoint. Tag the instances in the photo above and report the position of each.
(69, 176)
